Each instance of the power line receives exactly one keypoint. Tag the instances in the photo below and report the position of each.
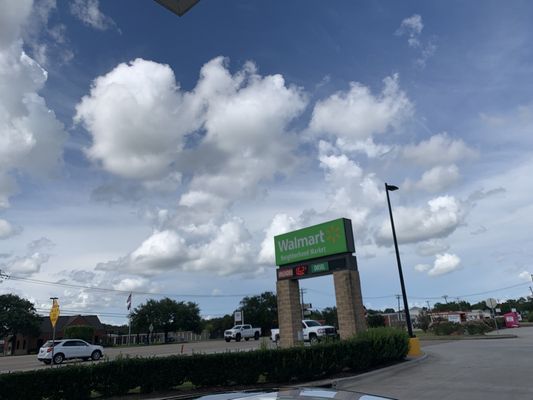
(101, 289)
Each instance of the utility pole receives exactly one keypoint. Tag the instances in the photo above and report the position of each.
(429, 306)
(459, 303)
(398, 297)
(302, 291)
(445, 297)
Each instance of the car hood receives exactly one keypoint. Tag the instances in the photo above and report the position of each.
(296, 394)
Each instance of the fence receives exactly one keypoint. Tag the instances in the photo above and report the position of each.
(155, 338)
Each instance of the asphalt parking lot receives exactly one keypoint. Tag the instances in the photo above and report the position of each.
(498, 369)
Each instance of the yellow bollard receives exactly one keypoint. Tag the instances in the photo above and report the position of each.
(414, 348)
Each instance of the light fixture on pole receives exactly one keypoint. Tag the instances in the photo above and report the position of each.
(178, 7)
(391, 188)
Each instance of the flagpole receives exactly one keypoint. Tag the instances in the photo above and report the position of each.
(129, 319)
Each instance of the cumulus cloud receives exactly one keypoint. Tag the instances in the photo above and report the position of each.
(7, 230)
(230, 133)
(438, 149)
(281, 223)
(88, 12)
(444, 263)
(436, 179)
(224, 250)
(356, 115)
(431, 247)
(31, 138)
(38, 253)
(440, 218)
(143, 134)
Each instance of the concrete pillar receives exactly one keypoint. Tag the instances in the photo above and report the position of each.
(350, 310)
(289, 312)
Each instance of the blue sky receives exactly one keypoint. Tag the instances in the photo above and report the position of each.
(149, 153)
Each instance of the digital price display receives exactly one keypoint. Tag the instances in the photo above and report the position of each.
(303, 270)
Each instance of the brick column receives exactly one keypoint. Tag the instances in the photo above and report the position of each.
(289, 312)
(350, 311)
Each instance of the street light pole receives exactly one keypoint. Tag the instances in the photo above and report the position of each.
(404, 293)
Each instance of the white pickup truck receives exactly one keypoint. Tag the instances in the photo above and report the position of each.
(239, 332)
(313, 331)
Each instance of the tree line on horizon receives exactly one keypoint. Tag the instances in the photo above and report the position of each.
(18, 315)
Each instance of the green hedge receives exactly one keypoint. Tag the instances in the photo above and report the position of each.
(368, 350)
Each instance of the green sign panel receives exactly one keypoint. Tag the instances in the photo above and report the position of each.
(333, 237)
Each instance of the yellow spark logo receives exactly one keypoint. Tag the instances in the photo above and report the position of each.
(333, 233)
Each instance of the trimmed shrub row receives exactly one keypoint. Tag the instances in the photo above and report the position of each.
(368, 350)
(444, 328)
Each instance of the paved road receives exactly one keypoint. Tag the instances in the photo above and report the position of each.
(25, 363)
(469, 369)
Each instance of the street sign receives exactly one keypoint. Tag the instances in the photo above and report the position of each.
(491, 303)
(54, 313)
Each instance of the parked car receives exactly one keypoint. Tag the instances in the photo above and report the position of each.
(68, 349)
(313, 331)
(239, 332)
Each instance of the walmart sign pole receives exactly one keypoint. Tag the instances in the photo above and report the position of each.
(54, 315)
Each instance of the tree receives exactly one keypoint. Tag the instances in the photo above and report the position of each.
(17, 316)
(261, 311)
(217, 326)
(166, 315)
(328, 315)
(389, 311)
(375, 320)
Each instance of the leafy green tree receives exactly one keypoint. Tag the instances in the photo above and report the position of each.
(423, 320)
(389, 311)
(17, 316)
(452, 306)
(375, 320)
(217, 326)
(166, 315)
(328, 315)
(261, 311)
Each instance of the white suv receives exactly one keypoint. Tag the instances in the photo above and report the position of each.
(67, 349)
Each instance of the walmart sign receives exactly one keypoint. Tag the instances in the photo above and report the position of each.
(333, 237)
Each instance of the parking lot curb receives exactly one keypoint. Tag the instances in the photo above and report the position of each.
(335, 382)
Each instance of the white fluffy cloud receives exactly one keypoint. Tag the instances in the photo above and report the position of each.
(444, 264)
(223, 249)
(281, 223)
(136, 118)
(31, 138)
(439, 149)
(7, 230)
(432, 247)
(38, 253)
(356, 115)
(440, 218)
(236, 127)
(436, 179)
